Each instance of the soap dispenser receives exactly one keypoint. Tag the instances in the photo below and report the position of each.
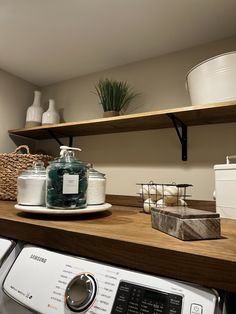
(67, 181)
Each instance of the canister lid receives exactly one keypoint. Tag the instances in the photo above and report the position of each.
(37, 169)
(95, 174)
(228, 165)
(225, 167)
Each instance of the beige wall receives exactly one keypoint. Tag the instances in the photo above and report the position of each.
(15, 96)
(130, 158)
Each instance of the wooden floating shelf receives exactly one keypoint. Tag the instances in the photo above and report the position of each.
(178, 118)
(191, 115)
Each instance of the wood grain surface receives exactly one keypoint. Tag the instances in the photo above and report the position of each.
(123, 236)
(190, 115)
(136, 201)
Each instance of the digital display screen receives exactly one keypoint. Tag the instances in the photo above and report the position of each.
(156, 296)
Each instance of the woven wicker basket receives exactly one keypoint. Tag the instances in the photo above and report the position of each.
(11, 165)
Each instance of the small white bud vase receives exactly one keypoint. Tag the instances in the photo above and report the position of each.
(34, 112)
(51, 116)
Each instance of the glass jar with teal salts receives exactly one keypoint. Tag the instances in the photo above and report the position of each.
(67, 181)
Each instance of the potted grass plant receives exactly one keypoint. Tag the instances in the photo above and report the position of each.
(114, 96)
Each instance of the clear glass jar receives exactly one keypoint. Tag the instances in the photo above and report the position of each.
(67, 182)
(96, 187)
(31, 185)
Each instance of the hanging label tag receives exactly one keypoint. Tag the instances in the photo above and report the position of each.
(70, 184)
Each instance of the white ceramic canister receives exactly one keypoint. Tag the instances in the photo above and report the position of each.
(96, 191)
(31, 185)
(225, 183)
(213, 80)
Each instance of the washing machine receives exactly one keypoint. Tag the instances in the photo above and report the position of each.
(9, 250)
(48, 282)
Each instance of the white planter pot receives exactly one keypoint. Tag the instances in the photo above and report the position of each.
(213, 80)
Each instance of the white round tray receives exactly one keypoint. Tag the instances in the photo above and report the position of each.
(49, 211)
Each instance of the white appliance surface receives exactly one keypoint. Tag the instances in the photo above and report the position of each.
(8, 253)
(225, 182)
(5, 247)
(39, 279)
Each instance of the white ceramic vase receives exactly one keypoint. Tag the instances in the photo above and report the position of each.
(34, 112)
(51, 116)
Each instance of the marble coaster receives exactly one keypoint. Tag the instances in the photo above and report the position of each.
(186, 223)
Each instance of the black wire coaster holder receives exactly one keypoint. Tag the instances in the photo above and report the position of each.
(163, 195)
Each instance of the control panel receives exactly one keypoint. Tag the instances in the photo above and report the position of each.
(49, 282)
(131, 298)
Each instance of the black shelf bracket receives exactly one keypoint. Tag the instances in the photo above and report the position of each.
(181, 130)
(71, 141)
(60, 142)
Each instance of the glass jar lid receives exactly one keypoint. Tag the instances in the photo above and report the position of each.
(95, 174)
(37, 169)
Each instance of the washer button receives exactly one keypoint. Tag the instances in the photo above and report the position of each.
(196, 309)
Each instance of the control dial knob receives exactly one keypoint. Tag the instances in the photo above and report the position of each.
(80, 292)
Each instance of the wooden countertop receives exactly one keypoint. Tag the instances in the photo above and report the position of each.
(123, 236)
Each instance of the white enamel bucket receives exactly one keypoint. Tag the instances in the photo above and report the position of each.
(213, 80)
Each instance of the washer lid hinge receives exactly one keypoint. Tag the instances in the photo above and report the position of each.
(181, 130)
